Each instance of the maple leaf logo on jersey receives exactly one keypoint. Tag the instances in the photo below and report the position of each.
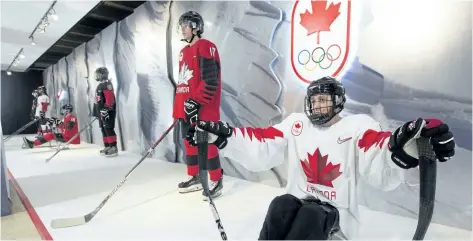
(184, 75)
(318, 171)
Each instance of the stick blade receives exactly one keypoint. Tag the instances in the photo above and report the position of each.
(67, 222)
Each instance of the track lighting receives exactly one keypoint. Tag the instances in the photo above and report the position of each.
(32, 40)
(16, 61)
(53, 14)
(44, 22)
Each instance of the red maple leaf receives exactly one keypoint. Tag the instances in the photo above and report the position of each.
(372, 137)
(298, 125)
(318, 171)
(320, 19)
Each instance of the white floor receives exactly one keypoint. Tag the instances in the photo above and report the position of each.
(148, 206)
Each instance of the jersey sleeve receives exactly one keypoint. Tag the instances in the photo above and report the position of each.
(109, 96)
(374, 158)
(209, 66)
(259, 149)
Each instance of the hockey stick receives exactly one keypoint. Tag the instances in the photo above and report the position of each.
(20, 130)
(202, 150)
(70, 222)
(428, 179)
(60, 148)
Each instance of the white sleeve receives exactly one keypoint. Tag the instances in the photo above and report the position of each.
(259, 149)
(374, 158)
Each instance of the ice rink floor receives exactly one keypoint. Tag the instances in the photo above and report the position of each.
(149, 206)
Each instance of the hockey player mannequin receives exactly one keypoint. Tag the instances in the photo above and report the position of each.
(105, 111)
(68, 126)
(33, 112)
(327, 157)
(200, 83)
(43, 110)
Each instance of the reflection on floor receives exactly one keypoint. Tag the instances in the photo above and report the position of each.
(148, 206)
(18, 225)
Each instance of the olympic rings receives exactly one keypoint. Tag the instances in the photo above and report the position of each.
(311, 56)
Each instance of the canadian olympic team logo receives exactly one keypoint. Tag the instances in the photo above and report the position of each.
(320, 38)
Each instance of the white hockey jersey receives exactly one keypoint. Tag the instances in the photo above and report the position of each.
(42, 104)
(326, 162)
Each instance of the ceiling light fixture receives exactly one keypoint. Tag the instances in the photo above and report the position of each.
(16, 61)
(32, 40)
(44, 22)
(53, 14)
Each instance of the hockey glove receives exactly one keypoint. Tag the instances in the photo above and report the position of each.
(441, 139)
(403, 146)
(191, 109)
(104, 114)
(218, 133)
(56, 121)
(51, 122)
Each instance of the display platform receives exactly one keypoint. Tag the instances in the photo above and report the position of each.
(149, 206)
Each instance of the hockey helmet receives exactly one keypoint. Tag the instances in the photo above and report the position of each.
(320, 93)
(193, 20)
(41, 90)
(65, 109)
(101, 74)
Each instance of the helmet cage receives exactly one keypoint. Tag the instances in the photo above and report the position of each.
(316, 115)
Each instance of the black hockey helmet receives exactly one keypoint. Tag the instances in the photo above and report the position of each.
(101, 74)
(329, 86)
(41, 90)
(193, 20)
(67, 108)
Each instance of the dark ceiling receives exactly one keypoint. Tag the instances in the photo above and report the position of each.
(96, 20)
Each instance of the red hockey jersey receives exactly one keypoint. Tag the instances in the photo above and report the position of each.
(199, 79)
(70, 127)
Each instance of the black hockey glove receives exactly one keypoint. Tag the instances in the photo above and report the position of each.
(403, 146)
(51, 122)
(441, 139)
(104, 114)
(191, 109)
(218, 132)
(55, 121)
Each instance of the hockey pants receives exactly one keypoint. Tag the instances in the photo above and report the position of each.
(49, 137)
(108, 130)
(213, 165)
(290, 218)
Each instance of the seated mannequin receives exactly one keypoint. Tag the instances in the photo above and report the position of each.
(68, 127)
